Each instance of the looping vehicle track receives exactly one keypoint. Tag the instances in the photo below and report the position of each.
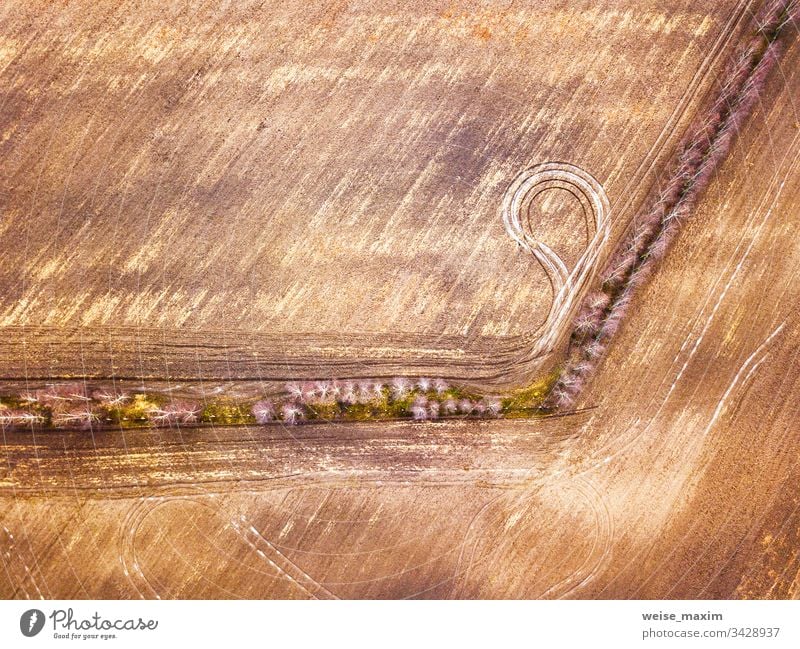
(568, 284)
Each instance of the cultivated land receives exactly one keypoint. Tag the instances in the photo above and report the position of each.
(283, 190)
(674, 478)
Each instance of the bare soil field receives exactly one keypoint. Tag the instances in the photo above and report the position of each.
(285, 192)
(290, 188)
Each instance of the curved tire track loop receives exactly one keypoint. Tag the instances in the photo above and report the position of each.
(567, 285)
(265, 550)
(596, 560)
